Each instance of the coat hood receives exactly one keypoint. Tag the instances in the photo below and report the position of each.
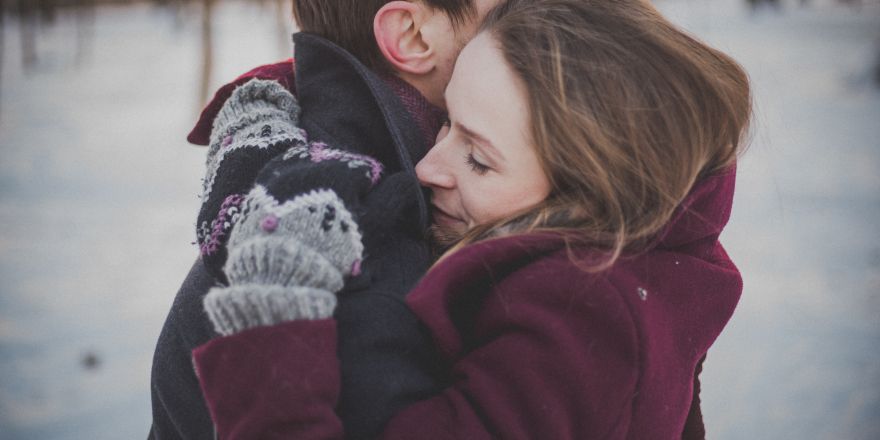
(632, 334)
(704, 212)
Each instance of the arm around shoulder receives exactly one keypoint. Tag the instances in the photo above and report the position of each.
(273, 382)
(542, 366)
(539, 360)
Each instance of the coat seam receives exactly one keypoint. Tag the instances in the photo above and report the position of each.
(639, 357)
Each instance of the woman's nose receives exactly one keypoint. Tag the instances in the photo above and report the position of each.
(433, 172)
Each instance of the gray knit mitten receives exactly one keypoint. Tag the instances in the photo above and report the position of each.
(286, 261)
(256, 124)
(255, 109)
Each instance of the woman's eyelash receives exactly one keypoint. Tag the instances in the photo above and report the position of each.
(476, 167)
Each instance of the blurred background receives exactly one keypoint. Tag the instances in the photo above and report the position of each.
(98, 197)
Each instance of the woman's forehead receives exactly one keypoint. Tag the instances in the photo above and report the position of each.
(484, 93)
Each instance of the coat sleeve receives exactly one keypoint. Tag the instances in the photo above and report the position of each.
(278, 382)
(529, 373)
(533, 363)
(179, 409)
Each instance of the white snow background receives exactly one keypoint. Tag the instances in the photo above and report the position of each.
(98, 196)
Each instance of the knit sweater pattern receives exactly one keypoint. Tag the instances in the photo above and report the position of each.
(287, 244)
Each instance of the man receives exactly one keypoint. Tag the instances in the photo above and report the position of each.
(384, 92)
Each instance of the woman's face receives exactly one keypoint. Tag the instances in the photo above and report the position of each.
(483, 166)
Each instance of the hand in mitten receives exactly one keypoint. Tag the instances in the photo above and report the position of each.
(252, 105)
(282, 72)
(257, 123)
(303, 167)
(286, 261)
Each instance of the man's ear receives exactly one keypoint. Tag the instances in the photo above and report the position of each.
(397, 28)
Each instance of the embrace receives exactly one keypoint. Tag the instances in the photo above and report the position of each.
(460, 219)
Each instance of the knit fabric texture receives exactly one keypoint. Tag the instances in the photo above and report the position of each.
(288, 244)
(257, 123)
(386, 358)
(309, 241)
(283, 72)
(286, 261)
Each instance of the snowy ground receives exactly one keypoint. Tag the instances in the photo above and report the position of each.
(98, 195)
(800, 358)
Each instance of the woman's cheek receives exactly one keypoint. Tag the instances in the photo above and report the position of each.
(479, 204)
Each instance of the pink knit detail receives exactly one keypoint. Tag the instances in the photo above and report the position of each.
(319, 152)
(269, 223)
(219, 225)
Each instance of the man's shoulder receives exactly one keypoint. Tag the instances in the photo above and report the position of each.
(186, 318)
(179, 409)
(283, 72)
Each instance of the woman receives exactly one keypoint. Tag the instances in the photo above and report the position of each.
(584, 178)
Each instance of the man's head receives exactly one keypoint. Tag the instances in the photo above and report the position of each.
(417, 40)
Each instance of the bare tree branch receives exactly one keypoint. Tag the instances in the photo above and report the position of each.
(207, 50)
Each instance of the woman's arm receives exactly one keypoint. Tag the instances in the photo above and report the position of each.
(291, 239)
(276, 382)
(540, 369)
(255, 124)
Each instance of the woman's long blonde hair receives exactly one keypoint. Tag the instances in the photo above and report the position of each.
(627, 112)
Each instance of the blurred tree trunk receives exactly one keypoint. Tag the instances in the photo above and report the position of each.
(282, 16)
(85, 24)
(2, 48)
(207, 50)
(27, 22)
(877, 67)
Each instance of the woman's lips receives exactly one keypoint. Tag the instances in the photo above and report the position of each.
(444, 219)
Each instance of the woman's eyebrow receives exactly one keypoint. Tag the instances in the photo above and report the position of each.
(483, 141)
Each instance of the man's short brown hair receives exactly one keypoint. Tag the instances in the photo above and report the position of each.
(349, 23)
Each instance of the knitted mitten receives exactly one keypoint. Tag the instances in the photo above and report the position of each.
(286, 261)
(294, 239)
(256, 123)
(278, 220)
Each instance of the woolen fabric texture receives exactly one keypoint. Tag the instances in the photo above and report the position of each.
(286, 261)
(282, 72)
(532, 346)
(385, 355)
(257, 123)
(291, 241)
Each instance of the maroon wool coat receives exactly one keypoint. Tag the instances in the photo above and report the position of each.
(535, 347)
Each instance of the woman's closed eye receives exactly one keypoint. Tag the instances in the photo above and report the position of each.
(475, 165)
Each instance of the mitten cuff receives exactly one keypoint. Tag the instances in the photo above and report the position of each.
(240, 307)
(282, 261)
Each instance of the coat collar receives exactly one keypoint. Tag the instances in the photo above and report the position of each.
(704, 212)
(348, 106)
(453, 291)
(700, 218)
